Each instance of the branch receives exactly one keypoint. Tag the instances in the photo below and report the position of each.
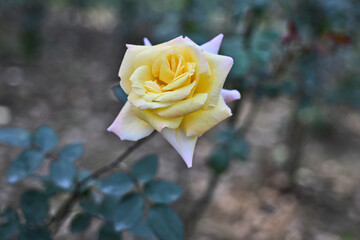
(59, 217)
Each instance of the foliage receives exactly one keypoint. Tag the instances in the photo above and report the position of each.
(125, 200)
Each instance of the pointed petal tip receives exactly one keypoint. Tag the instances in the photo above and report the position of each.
(147, 42)
(230, 95)
(214, 44)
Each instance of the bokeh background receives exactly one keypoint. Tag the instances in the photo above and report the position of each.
(294, 169)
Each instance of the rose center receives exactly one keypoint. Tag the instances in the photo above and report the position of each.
(170, 71)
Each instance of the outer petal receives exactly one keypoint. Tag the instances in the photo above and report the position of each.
(220, 67)
(230, 95)
(184, 107)
(197, 123)
(213, 45)
(184, 145)
(128, 126)
(147, 42)
(157, 122)
(127, 66)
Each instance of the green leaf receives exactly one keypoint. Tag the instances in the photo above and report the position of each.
(107, 207)
(219, 160)
(116, 184)
(62, 173)
(107, 232)
(240, 148)
(120, 94)
(25, 164)
(225, 135)
(165, 223)
(80, 223)
(10, 223)
(91, 204)
(50, 189)
(142, 229)
(34, 206)
(40, 233)
(145, 169)
(71, 152)
(161, 191)
(128, 211)
(45, 138)
(15, 136)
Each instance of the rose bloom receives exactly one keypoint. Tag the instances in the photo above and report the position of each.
(176, 89)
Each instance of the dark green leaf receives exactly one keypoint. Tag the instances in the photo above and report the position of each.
(107, 207)
(71, 152)
(128, 211)
(120, 94)
(40, 233)
(161, 191)
(34, 206)
(45, 138)
(15, 137)
(27, 162)
(91, 204)
(62, 173)
(240, 148)
(51, 190)
(145, 169)
(116, 184)
(107, 232)
(225, 135)
(219, 160)
(165, 223)
(81, 175)
(80, 222)
(9, 223)
(142, 229)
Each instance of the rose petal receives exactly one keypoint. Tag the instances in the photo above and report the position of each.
(147, 42)
(157, 122)
(184, 107)
(193, 53)
(176, 95)
(148, 56)
(184, 145)
(177, 82)
(230, 95)
(138, 79)
(197, 123)
(213, 45)
(220, 66)
(127, 66)
(141, 103)
(128, 126)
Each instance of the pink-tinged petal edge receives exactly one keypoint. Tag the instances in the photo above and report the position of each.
(184, 145)
(213, 45)
(128, 126)
(230, 95)
(147, 42)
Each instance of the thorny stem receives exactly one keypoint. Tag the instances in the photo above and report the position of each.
(59, 217)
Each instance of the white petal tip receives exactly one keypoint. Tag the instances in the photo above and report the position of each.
(147, 42)
(230, 95)
(214, 44)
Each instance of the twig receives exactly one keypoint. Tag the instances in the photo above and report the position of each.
(59, 217)
(200, 207)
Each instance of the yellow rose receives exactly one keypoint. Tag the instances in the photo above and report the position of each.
(176, 89)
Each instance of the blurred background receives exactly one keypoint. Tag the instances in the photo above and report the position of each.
(290, 171)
